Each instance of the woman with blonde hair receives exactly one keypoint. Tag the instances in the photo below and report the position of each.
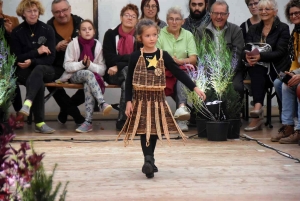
(33, 43)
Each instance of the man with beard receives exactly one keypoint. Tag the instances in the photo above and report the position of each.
(198, 17)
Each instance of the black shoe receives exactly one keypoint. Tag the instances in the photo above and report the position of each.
(147, 168)
(62, 117)
(120, 124)
(79, 120)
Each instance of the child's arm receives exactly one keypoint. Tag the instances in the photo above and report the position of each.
(128, 83)
(181, 75)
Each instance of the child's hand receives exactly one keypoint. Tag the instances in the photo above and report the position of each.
(88, 62)
(129, 109)
(200, 93)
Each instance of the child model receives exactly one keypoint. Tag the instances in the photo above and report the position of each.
(146, 108)
(84, 61)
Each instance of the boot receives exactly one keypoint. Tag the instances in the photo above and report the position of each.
(147, 168)
(283, 132)
(292, 139)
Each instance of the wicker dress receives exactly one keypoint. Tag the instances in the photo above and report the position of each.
(151, 113)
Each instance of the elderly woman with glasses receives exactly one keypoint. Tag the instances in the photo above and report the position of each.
(33, 43)
(180, 44)
(118, 44)
(150, 10)
(289, 133)
(264, 66)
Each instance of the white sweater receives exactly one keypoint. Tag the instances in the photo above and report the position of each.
(71, 63)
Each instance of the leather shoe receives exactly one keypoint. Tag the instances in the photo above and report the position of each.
(254, 126)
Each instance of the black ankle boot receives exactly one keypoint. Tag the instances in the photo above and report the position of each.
(147, 168)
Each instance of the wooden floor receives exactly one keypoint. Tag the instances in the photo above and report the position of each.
(99, 168)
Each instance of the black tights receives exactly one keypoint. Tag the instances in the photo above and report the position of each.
(150, 149)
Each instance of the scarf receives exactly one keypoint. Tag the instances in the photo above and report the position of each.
(125, 44)
(87, 46)
(291, 49)
(193, 24)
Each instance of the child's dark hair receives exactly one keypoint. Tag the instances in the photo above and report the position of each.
(145, 23)
(89, 21)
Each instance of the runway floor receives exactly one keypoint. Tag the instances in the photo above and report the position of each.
(99, 168)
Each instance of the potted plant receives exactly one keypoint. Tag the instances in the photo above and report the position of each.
(7, 78)
(213, 75)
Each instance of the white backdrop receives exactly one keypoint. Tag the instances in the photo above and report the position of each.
(109, 11)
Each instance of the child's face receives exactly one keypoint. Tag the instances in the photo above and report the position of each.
(149, 37)
(86, 31)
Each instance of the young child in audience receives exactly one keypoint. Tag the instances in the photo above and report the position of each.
(83, 64)
(146, 108)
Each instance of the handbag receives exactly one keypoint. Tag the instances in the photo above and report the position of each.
(262, 47)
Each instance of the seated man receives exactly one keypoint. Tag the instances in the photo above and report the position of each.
(118, 44)
(288, 133)
(65, 26)
(234, 37)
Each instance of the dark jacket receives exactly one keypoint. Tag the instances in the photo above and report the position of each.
(25, 47)
(110, 54)
(278, 38)
(60, 56)
(234, 38)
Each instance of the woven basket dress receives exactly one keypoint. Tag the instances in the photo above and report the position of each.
(151, 113)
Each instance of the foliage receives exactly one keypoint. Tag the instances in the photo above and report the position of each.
(41, 187)
(233, 105)
(214, 73)
(7, 78)
(22, 176)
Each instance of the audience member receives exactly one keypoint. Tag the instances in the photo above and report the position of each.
(33, 43)
(84, 63)
(263, 67)
(180, 44)
(66, 27)
(290, 133)
(118, 44)
(199, 17)
(150, 10)
(219, 25)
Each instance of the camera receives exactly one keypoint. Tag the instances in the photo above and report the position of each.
(284, 77)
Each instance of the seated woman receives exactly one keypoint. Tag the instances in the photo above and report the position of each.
(150, 10)
(83, 63)
(275, 33)
(33, 44)
(180, 44)
(118, 44)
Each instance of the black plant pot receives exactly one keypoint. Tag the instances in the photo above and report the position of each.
(234, 128)
(217, 130)
(201, 127)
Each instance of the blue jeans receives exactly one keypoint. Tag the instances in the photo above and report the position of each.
(278, 88)
(288, 106)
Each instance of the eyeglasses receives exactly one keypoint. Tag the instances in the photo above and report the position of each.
(153, 7)
(266, 9)
(296, 14)
(250, 5)
(63, 11)
(128, 16)
(176, 20)
(32, 11)
(215, 14)
(197, 4)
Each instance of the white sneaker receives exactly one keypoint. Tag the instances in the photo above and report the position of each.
(182, 113)
(183, 125)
